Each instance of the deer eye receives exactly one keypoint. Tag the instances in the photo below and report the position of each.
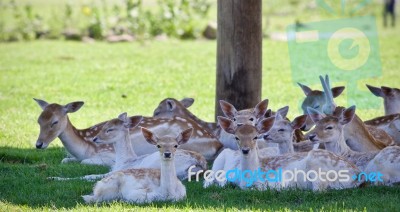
(54, 123)
(255, 138)
(237, 138)
(176, 146)
(329, 128)
(109, 130)
(158, 146)
(251, 119)
(281, 130)
(234, 119)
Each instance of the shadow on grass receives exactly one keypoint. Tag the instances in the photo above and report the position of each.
(24, 182)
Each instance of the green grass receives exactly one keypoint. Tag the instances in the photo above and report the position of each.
(101, 73)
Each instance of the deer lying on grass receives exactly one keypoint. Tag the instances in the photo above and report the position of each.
(390, 124)
(282, 133)
(170, 107)
(358, 136)
(116, 132)
(247, 159)
(391, 98)
(54, 122)
(146, 185)
(330, 131)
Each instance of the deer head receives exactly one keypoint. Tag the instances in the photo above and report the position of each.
(116, 129)
(248, 116)
(329, 128)
(170, 107)
(391, 98)
(319, 100)
(167, 145)
(283, 129)
(246, 135)
(53, 120)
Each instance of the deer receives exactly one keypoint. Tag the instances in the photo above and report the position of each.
(247, 159)
(146, 185)
(54, 122)
(391, 98)
(330, 131)
(360, 137)
(389, 123)
(171, 107)
(283, 133)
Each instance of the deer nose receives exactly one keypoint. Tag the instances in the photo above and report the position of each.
(167, 154)
(312, 137)
(39, 145)
(245, 151)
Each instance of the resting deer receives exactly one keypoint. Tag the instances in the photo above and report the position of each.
(146, 185)
(390, 124)
(330, 131)
(359, 137)
(282, 133)
(170, 107)
(54, 122)
(391, 98)
(247, 159)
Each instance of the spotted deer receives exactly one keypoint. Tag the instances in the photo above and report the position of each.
(146, 185)
(54, 122)
(282, 133)
(330, 131)
(390, 124)
(360, 137)
(248, 161)
(391, 98)
(170, 107)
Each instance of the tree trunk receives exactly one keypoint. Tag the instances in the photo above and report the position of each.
(239, 53)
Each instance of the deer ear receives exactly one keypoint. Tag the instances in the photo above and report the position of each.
(305, 89)
(187, 102)
(336, 91)
(171, 105)
(133, 121)
(261, 108)
(387, 91)
(347, 115)
(228, 109)
(226, 124)
(283, 111)
(265, 125)
(375, 90)
(299, 122)
(184, 136)
(41, 103)
(315, 115)
(268, 113)
(73, 107)
(123, 117)
(149, 136)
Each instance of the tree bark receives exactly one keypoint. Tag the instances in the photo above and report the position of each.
(239, 53)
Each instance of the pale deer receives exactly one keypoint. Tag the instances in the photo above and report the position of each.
(390, 124)
(330, 131)
(391, 98)
(247, 160)
(359, 137)
(146, 185)
(54, 122)
(282, 133)
(169, 108)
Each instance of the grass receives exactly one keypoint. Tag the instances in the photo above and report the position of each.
(100, 74)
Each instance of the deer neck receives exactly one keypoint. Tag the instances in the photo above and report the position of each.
(391, 107)
(168, 179)
(339, 147)
(358, 137)
(124, 150)
(286, 147)
(74, 143)
(250, 162)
